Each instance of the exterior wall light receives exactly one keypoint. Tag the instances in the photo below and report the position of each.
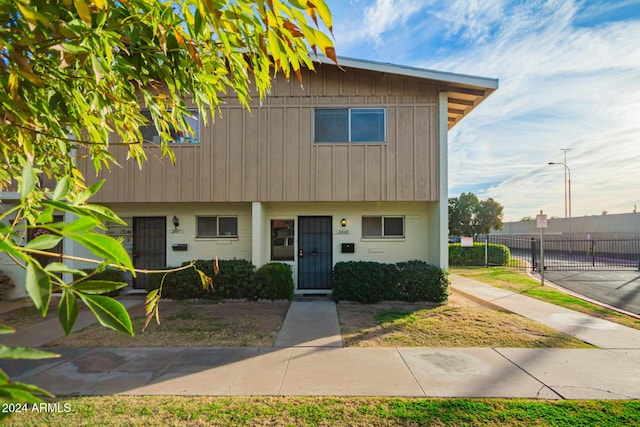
(343, 222)
(176, 222)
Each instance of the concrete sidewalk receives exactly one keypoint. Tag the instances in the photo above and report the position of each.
(299, 368)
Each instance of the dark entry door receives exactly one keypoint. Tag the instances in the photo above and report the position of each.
(149, 246)
(314, 252)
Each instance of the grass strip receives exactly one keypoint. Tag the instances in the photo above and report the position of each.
(519, 282)
(326, 411)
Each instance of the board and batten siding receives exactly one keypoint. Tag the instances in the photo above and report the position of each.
(267, 154)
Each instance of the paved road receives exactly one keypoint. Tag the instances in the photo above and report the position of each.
(619, 289)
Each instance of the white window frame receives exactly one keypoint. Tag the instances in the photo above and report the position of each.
(217, 235)
(384, 236)
(350, 111)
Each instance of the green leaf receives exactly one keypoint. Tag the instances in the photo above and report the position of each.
(80, 225)
(109, 312)
(105, 247)
(59, 267)
(7, 352)
(44, 242)
(12, 249)
(104, 214)
(85, 194)
(97, 287)
(28, 180)
(38, 287)
(62, 188)
(67, 311)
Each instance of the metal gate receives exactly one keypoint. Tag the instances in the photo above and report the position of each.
(568, 254)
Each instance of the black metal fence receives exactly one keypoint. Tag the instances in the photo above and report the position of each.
(561, 253)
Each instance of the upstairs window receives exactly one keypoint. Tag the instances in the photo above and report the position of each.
(382, 226)
(179, 136)
(217, 226)
(344, 125)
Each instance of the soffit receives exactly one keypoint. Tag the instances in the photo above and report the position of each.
(464, 92)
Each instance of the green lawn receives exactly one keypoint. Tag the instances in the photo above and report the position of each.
(518, 281)
(329, 411)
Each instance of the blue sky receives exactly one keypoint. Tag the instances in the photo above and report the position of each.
(569, 75)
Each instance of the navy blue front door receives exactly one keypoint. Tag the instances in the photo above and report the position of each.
(314, 252)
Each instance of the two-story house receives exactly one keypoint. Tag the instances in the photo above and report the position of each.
(351, 167)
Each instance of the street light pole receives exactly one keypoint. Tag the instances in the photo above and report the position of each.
(567, 171)
(564, 150)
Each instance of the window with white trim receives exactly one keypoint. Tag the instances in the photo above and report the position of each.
(217, 226)
(344, 125)
(375, 227)
(179, 136)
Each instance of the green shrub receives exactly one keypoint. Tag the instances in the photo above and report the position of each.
(419, 281)
(364, 281)
(467, 256)
(372, 282)
(275, 281)
(236, 279)
(108, 275)
(182, 284)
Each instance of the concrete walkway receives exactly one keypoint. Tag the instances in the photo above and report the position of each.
(307, 363)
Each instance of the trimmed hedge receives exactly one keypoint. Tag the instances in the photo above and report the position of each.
(497, 254)
(364, 281)
(236, 279)
(275, 281)
(419, 281)
(372, 282)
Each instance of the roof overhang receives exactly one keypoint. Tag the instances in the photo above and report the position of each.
(464, 92)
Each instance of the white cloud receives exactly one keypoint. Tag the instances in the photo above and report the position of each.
(561, 87)
(368, 23)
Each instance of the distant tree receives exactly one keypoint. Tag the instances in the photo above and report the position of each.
(469, 216)
(527, 218)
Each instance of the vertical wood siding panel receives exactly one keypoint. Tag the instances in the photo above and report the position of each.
(391, 181)
(304, 167)
(251, 155)
(373, 171)
(291, 154)
(405, 153)
(365, 82)
(341, 181)
(333, 82)
(422, 154)
(219, 160)
(349, 84)
(139, 181)
(434, 153)
(235, 163)
(205, 156)
(188, 183)
(276, 154)
(263, 149)
(169, 185)
(324, 172)
(357, 172)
